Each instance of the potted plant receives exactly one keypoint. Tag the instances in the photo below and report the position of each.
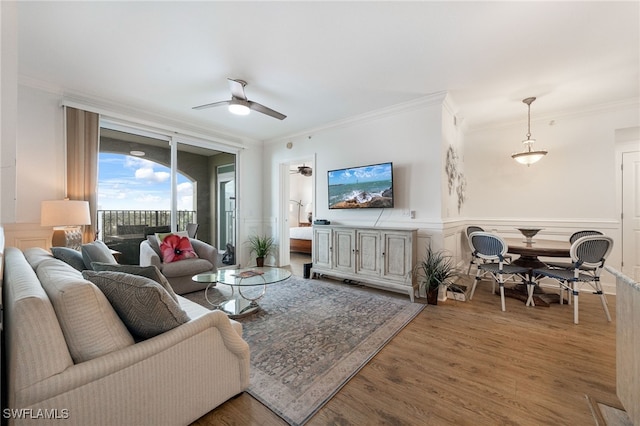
(262, 246)
(436, 269)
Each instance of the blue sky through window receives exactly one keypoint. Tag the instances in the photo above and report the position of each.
(133, 183)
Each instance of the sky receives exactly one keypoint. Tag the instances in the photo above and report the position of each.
(133, 183)
(372, 173)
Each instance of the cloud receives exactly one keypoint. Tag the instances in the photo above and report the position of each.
(148, 174)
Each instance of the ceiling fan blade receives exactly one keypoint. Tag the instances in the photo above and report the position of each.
(268, 111)
(212, 105)
(237, 88)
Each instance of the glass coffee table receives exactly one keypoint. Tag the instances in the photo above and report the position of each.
(242, 304)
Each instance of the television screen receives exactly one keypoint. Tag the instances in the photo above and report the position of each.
(361, 187)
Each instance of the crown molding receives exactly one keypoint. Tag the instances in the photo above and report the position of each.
(436, 98)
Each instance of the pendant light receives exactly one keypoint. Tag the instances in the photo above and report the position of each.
(528, 156)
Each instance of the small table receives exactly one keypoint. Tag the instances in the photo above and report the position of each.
(242, 305)
(529, 252)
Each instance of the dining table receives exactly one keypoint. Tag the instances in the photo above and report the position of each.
(530, 251)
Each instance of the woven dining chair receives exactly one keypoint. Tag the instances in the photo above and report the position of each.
(474, 259)
(590, 251)
(572, 239)
(491, 250)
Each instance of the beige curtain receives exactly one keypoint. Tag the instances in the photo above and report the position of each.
(83, 129)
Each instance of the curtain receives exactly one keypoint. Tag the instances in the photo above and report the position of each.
(83, 129)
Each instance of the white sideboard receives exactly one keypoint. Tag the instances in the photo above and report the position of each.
(377, 257)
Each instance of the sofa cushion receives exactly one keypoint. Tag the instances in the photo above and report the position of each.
(142, 304)
(90, 325)
(150, 271)
(70, 256)
(175, 247)
(96, 251)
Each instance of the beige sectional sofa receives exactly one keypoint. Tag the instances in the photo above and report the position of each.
(70, 357)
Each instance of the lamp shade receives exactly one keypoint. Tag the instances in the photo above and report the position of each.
(64, 213)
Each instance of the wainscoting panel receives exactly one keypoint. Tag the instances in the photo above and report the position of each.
(27, 235)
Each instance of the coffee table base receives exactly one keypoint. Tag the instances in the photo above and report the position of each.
(238, 307)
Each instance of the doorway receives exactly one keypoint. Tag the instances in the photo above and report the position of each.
(297, 189)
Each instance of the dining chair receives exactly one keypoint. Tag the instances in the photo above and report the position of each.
(572, 239)
(491, 250)
(589, 251)
(474, 259)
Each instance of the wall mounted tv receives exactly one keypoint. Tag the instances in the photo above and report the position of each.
(361, 187)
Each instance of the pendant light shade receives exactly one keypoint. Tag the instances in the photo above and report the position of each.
(529, 155)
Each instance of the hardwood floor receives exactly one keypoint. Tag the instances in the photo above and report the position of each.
(469, 363)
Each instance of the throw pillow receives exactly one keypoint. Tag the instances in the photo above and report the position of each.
(150, 271)
(96, 251)
(143, 305)
(70, 256)
(175, 246)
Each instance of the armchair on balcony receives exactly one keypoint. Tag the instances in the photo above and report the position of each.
(179, 273)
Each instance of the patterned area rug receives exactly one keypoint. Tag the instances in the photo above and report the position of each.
(311, 337)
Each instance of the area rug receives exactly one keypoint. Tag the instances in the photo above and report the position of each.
(310, 337)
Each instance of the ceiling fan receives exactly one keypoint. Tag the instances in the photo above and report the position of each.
(239, 104)
(303, 170)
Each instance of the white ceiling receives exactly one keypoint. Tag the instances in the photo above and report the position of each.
(321, 62)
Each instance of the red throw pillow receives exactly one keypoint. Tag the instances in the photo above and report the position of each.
(174, 247)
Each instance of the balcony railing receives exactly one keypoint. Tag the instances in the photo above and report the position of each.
(123, 230)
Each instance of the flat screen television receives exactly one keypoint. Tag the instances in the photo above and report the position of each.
(361, 187)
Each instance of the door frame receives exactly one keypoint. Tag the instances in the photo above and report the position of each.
(627, 142)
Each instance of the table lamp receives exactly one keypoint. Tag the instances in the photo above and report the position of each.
(66, 216)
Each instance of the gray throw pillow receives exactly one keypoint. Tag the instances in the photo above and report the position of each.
(142, 304)
(70, 256)
(150, 271)
(96, 251)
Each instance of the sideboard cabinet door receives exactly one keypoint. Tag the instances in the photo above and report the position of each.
(322, 248)
(398, 253)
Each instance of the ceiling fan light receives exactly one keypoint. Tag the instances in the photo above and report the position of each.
(239, 107)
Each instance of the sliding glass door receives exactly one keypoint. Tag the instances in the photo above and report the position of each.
(149, 183)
